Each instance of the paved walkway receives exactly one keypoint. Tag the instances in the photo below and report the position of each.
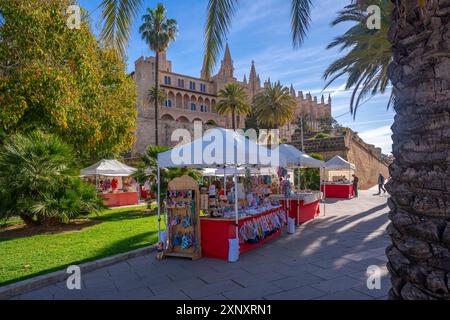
(326, 259)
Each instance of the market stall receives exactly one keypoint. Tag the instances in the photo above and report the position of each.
(113, 180)
(300, 206)
(338, 176)
(232, 225)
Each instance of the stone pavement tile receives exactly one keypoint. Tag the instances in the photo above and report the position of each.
(261, 268)
(66, 294)
(302, 293)
(345, 295)
(96, 284)
(362, 265)
(332, 273)
(141, 293)
(210, 289)
(336, 284)
(154, 280)
(185, 284)
(216, 297)
(118, 269)
(46, 293)
(125, 284)
(297, 281)
(246, 281)
(174, 294)
(332, 263)
(252, 292)
(374, 293)
(361, 255)
(103, 294)
(225, 275)
(297, 270)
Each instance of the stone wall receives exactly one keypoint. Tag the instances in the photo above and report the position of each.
(367, 158)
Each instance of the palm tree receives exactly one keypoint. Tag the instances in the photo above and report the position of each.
(38, 181)
(274, 106)
(419, 256)
(158, 32)
(233, 101)
(366, 64)
(155, 94)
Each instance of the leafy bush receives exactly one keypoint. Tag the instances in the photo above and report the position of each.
(322, 135)
(38, 181)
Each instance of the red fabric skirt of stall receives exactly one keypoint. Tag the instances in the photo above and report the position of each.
(120, 199)
(342, 191)
(307, 212)
(216, 232)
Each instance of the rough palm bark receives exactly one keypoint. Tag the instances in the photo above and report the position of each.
(419, 257)
(156, 100)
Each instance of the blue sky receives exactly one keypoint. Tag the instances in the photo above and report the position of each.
(261, 32)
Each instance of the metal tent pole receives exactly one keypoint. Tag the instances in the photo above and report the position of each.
(236, 210)
(159, 204)
(324, 195)
(298, 197)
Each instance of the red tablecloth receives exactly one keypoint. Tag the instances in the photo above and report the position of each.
(307, 211)
(215, 233)
(120, 199)
(344, 191)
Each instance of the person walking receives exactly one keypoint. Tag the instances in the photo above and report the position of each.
(355, 184)
(381, 184)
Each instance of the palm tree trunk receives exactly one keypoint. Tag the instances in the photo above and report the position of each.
(157, 96)
(419, 256)
(233, 120)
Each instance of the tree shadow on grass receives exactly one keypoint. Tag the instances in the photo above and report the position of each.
(135, 242)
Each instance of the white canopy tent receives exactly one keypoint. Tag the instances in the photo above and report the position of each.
(218, 148)
(338, 164)
(295, 159)
(109, 168)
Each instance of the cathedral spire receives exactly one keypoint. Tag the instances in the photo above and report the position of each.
(322, 100)
(292, 91)
(226, 68)
(252, 77)
(227, 56)
(329, 99)
(245, 78)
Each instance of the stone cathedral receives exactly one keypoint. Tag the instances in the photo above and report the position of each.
(190, 99)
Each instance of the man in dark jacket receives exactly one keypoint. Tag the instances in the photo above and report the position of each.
(381, 184)
(355, 184)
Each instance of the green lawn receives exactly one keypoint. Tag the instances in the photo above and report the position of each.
(119, 232)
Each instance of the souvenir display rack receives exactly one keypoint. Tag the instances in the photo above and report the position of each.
(183, 219)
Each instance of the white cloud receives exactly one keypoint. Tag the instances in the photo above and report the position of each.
(380, 137)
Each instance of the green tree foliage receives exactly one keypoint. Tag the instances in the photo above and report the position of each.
(39, 183)
(62, 81)
(233, 101)
(309, 177)
(368, 52)
(274, 106)
(149, 167)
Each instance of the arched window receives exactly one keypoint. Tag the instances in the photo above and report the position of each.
(168, 103)
(193, 107)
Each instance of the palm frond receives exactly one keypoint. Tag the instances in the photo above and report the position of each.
(118, 16)
(300, 15)
(218, 22)
(368, 52)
